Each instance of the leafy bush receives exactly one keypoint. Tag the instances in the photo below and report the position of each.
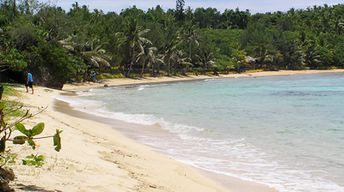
(26, 136)
(53, 66)
(12, 60)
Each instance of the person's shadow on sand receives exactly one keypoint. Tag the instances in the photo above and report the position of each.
(33, 188)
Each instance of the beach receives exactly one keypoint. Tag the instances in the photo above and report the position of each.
(152, 80)
(97, 157)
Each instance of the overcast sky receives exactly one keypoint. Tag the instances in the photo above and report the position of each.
(253, 5)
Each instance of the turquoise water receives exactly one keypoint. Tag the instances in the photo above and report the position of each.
(286, 132)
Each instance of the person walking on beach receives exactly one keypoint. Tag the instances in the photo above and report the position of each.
(29, 82)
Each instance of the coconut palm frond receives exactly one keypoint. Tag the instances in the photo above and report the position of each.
(92, 62)
(141, 33)
(98, 48)
(101, 62)
(145, 41)
(153, 49)
(139, 56)
(185, 63)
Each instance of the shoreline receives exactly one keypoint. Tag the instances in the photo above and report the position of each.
(96, 157)
(230, 183)
(156, 80)
(112, 159)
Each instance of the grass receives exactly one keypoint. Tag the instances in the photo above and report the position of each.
(9, 91)
(9, 104)
(109, 76)
(254, 71)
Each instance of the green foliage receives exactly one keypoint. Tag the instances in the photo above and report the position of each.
(20, 127)
(9, 105)
(23, 34)
(109, 76)
(12, 60)
(9, 126)
(57, 140)
(34, 160)
(9, 90)
(29, 136)
(38, 129)
(222, 43)
(7, 157)
(61, 46)
(30, 133)
(54, 65)
(19, 140)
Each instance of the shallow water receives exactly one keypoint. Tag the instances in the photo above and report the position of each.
(286, 132)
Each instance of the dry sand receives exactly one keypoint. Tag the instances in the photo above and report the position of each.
(126, 81)
(96, 157)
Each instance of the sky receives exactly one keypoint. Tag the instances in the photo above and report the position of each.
(254, 6)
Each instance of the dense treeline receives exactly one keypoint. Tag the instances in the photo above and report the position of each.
(60, 46)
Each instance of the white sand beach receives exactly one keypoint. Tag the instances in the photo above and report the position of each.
(96, 157)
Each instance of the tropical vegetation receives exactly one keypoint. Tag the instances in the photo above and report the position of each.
(60, 46)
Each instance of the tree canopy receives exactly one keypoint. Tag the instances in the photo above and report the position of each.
(60, 46)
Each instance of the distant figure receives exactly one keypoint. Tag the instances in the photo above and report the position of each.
(93, 76)
(29, 82)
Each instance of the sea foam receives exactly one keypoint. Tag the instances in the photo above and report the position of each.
(256, 134)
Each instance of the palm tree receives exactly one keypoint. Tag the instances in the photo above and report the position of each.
(150, 58)
(97, 57)
(154, 60)
(190, 37)
(179, 61)
(134, 43)
(272, 60)
(94, 55)
(142, 57)
(167, 57)
(205, 59)
(170, 47)
(312, 57)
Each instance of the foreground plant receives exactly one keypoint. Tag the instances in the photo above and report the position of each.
(34, 160)
(26, 135)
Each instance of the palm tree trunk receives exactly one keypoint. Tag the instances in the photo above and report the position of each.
(190, 47)
(130, 64)
(158, 69)
(130, 68)
(14, 8)
(153, 70)
(143, 68)
(169, 69)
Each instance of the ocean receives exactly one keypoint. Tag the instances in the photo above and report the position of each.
(283, 131)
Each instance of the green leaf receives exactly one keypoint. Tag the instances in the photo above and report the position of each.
(20, 127)
(19, 140)
(34, 160)
(32, 143)
(2, 144)
(57, 140)
(38, 129)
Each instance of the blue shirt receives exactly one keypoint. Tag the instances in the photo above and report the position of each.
(29, 77)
